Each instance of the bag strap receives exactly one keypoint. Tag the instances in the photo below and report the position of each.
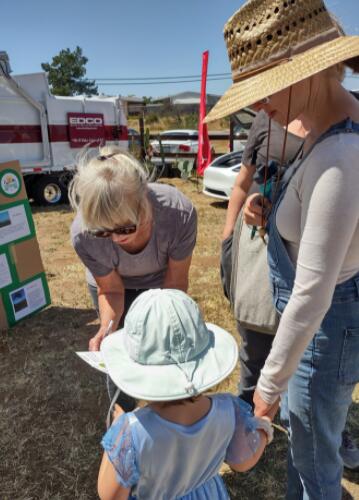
(235, 250)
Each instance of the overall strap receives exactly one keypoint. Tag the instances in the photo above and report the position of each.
(347, 127)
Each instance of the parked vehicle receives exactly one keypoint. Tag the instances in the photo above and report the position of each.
(243, 122)
(134, 137)
(219, 176)
(45, 132)
(134, 142)
(175, 142)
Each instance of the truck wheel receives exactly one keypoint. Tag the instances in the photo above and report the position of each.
(49, 190)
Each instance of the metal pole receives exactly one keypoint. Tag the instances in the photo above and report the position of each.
(231, 134)
(141, 122)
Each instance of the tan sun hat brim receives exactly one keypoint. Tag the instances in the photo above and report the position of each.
(268, 82)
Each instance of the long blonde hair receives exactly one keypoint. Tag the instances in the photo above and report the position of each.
(109, 189)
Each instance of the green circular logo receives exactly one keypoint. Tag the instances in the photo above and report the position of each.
(10, 183)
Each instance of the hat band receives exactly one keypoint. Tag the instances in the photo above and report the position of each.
(247, 74)
(163, 358)
(284, 55)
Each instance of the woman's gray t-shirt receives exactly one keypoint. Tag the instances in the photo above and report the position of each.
(173, 236)
(255, 151)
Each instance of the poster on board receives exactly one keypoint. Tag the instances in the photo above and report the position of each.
(23, 286)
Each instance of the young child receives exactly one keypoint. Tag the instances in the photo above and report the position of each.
(175, 446)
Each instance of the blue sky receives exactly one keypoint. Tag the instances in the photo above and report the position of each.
(133, 39)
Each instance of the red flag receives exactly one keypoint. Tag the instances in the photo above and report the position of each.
(204, 156)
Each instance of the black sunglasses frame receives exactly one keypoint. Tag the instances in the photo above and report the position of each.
(119, 230)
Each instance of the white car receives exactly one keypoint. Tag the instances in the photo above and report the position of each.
(219, 176)
(175, 142)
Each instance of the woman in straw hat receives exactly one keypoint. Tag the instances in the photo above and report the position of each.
(286, 56)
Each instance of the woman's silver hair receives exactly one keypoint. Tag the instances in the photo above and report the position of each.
(109, 189)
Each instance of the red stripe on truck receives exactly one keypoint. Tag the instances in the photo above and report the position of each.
(13, 134)
(19, 134)
(59, 133)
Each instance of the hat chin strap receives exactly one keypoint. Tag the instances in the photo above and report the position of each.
(189, 387)
(112, 404)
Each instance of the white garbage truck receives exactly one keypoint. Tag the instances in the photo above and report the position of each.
(46, 133)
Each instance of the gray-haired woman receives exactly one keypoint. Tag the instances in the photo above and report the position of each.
(130, 234)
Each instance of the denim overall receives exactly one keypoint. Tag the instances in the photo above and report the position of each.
(319, 393)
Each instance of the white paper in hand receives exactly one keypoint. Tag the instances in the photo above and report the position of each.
(94, 359)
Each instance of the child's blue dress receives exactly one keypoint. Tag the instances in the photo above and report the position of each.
(161, 460)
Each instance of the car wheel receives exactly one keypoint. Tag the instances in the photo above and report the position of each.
(49, 191)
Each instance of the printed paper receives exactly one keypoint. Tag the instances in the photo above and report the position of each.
(28, 299)
(5, 274)
(94, 359)
(13, 224)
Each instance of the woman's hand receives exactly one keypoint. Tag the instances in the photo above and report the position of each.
(253, 210)
(111, 299)
(95, 341)
(263, 409)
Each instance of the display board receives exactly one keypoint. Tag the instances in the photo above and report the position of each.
(23, 285)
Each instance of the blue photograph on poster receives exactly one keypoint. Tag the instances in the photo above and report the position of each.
(18, 300)
(5, 219)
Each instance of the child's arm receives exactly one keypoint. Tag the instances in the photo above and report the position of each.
(251, 462)
(107, 485)
(250, 438)
(118, 471)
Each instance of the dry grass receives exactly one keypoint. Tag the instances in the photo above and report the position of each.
(53, 405)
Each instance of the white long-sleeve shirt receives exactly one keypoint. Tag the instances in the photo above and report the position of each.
(318, 219)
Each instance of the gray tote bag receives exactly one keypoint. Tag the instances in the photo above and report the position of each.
(250, 294)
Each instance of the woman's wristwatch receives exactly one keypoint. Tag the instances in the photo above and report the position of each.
(264, 424)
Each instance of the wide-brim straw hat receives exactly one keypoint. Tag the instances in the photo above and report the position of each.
(166, 351)
(273, 44)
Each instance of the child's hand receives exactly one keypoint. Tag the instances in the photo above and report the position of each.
(117, 411)
(265, 425)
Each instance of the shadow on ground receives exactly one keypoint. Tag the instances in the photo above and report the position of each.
(53, 408)
(223, 205)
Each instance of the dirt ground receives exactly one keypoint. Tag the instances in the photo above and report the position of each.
(53, 406)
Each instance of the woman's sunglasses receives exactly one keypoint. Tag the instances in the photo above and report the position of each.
(120, 230)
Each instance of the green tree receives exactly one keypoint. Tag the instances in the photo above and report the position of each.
(66, 74)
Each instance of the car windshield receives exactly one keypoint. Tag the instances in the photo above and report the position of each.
(229, 161)
(243, 119)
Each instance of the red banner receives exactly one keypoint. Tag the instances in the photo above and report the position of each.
(204, 157)
(86, 128)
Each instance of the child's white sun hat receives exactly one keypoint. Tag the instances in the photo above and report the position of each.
(166, 351)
